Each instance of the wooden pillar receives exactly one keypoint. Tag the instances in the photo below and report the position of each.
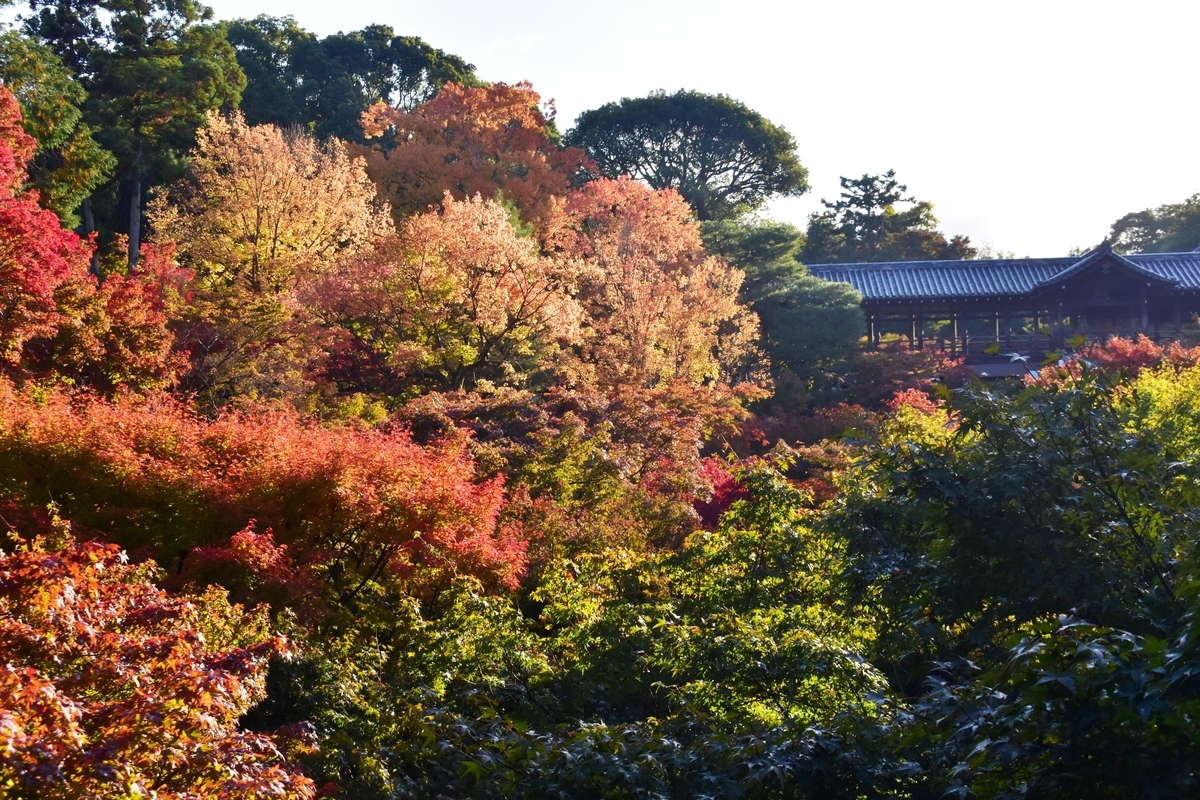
(920, 332)
(953, 334)
(872, 331)
(1145, 311)
(1008, 332)
(996, 326)
(912, 331)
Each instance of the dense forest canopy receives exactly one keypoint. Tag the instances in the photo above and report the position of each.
(362, 436)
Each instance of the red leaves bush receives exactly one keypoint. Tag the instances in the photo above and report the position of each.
(354, 507)
(1131, 356)
(725, 492)
(111, 688)
(36, 254)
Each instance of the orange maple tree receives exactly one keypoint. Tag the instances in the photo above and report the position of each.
(468, 141)
(112, 688)
(1131, 356)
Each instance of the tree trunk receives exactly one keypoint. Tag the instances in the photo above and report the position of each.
(135, 218)
(89, 227)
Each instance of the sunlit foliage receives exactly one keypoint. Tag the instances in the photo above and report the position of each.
(455, 299)
(658, 308)
(368, 511)
(470, 140)
(112, 688)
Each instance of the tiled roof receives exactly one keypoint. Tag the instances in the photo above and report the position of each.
(901, 280)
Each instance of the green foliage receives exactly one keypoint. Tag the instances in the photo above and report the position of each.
(149, 95)
(811, 327)
(766, 250)
(392, 696)
(743, 627)
(625, 673)
(268, 49)
(1072, 710)
(151, 72)
(866, 225)
(723, 157)
(1031, 560)
(68, 164)
(1170, 228)
(324, 85)
(1044, 501)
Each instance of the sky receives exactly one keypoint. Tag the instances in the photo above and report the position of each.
(1031, 126)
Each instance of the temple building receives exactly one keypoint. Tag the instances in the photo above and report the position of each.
(1033, 306)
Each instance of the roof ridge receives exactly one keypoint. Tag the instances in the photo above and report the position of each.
(948, 262)
(980, 262)
(1104, 251)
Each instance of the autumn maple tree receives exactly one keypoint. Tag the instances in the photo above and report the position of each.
(112, 688)
(657, 307)
(56, 320)
(265, 210)
(359, 510)
(456, 298)
(468, 141)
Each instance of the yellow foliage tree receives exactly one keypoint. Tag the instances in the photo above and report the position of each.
(658, 309)
(266, 209)
(267, 204)
(455, 299)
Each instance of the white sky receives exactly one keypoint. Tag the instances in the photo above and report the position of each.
(1029, 125)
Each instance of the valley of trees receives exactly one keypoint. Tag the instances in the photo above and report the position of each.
(364, 435)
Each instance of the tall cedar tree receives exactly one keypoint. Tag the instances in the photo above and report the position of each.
(151, 71)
